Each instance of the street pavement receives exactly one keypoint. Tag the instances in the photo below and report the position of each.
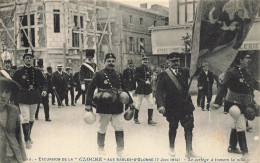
(67, 136)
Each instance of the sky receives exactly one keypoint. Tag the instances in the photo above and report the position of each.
(137, 3)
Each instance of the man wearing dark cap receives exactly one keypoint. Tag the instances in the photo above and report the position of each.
(31, 80)
(45, 99)
(174, 102)
(129, 77)
(241, 85)
(109, 108)
(144, 90)
(87, 70)
(205, 84)
(71, 85)
(50, 90)
(60, 82)
(11, 143)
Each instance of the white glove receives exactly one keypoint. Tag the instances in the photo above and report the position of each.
(44, 93)
(83, 87)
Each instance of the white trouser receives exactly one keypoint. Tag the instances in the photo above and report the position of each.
(240, 123)
(116, 122)
(28, 112)
(149, 98)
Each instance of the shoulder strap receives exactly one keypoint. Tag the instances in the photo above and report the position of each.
(89, 67)
(174, 79)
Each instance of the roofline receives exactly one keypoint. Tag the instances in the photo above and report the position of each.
(156, 28)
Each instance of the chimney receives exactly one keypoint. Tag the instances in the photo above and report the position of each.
(143, 5)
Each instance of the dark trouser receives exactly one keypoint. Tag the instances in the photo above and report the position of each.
(45, 103)
(220, 95)
(71, 90)
(208, 94)
(80, 92)
(199, 97)
(187, 122)
(52, 96)
(61, 92)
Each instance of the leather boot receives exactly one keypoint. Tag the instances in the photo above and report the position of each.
(150, 117)
(136, 117)
(26, 130)
(233, 142)
(188, 139)
(172, 136)
(31, 126)
(101, 143)
(120, 142)
(242, 142)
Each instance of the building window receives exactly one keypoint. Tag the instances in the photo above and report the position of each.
(76, 20)
(142, 45)
(75, 39)
(56, 21)
(27, 29)
(154, 22)
(141, 21)
(186, 11)
(130, 19)
(81, 21)
(131, 44)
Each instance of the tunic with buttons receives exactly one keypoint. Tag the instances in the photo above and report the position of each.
(143, 73)
(107, 79)
(31, 80)
(241, 82)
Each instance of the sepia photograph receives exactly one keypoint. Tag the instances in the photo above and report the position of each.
(129, 81)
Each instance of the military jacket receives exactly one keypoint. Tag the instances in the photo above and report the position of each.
(129, 79)
(32, 82)
(86, 72)
(143, 73)
(107, 79)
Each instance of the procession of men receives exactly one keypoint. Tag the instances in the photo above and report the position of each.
(109, 106)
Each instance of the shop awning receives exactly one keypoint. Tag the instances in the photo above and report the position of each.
(252, 41)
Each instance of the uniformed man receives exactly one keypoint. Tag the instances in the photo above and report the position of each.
(129, 77)
(78, 89)
(71, 85)
(174, 102)
(87, 70)
(108, 82)
(240, 84)
(60, 82)
(144, 90)
(205, 84)
(31, 80)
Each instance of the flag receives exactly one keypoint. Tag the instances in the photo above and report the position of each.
(220, 27)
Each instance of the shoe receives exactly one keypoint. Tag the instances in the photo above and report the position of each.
(53, 103)
(28, 145)
(120, 153)
(225, 112)
(203, 109)
(151, 122)
(190, 154)
(36, 118)
(234, 150)
(249, 129)
(30, 140)
(48, 120)
(101, 151)
(73, 105)
(172, 152)
(67, 105)
(136, 121)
